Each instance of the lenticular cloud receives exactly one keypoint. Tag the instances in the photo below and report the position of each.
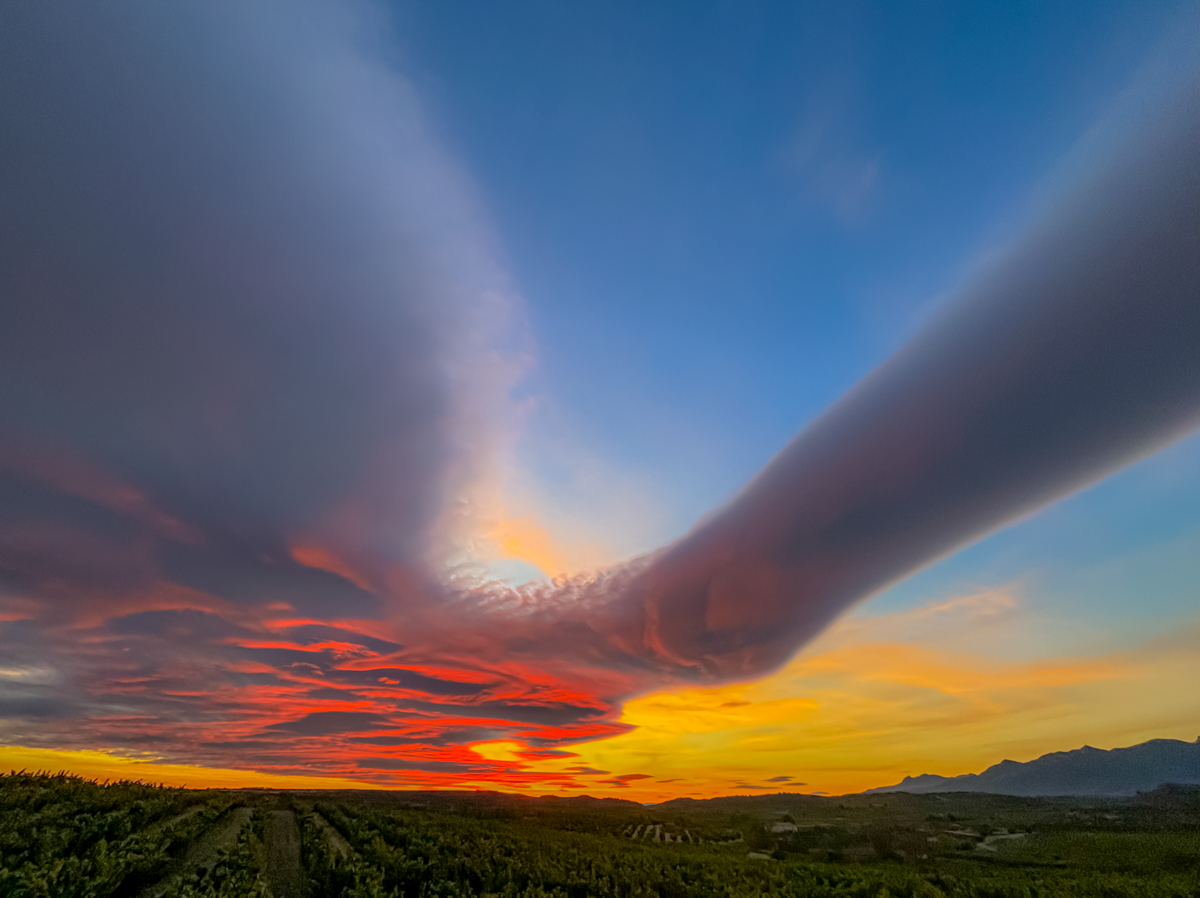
(255, 359)
(254, 376)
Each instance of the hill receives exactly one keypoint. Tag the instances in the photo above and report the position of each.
(1084, 771)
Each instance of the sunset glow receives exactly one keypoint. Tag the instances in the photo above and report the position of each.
(610, 401)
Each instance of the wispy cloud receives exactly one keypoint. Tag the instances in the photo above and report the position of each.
(826, 157)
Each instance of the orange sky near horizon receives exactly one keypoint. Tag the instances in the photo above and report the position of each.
(872, 700)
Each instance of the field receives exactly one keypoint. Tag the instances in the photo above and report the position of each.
(64, 837)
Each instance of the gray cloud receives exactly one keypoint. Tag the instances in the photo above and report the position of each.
(416, 765)
(237, 275)
(307, 634)
(325, 723)
(1077, 351)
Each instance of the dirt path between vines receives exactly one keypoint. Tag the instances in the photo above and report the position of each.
(285, 874)
(222, 834)
(340, 845)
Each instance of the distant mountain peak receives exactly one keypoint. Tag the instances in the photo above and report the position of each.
(1082, 771)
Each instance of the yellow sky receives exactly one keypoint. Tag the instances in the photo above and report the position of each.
(875, 698)
(111, 766)
(525, 539)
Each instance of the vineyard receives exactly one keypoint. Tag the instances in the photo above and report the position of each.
(62, 837)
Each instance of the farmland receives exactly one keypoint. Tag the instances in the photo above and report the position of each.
(65, 837)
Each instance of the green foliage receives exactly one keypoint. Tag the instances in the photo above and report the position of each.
(234, 874)
(61, 837)
(420, 854)
(331, 874)
(1140, 852)
(66, 837)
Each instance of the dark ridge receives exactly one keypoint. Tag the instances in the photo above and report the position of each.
(1085, 771)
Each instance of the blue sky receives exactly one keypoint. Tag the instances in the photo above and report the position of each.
(722, 215)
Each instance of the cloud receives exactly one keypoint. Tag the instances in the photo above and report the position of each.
(325, 723)
(624, 780)
(1069, 357)
(310, 634)
(824, 155)
(413, 764)
(255, 378)
(258, 359)
(853, 709)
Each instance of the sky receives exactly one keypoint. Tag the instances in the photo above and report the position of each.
(643, 400)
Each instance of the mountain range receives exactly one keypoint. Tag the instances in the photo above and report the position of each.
(1083, 771)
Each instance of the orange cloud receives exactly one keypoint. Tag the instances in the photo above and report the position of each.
(854, 711)
(323, 559)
